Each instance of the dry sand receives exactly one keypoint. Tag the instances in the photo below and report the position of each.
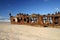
(25, 32)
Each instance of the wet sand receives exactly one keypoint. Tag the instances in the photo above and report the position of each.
(25, 32)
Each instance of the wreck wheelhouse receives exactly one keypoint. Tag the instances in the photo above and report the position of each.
(36, 19)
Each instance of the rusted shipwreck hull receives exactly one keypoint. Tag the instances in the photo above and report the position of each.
(52, 20)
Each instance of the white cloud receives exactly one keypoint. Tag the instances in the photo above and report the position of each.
(57, 9)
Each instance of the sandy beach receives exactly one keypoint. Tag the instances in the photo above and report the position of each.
(25, 32)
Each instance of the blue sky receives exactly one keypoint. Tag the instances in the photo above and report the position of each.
(28, 6)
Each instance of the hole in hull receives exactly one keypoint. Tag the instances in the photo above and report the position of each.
(45, 26)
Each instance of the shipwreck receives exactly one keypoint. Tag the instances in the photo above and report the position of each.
(36, 19)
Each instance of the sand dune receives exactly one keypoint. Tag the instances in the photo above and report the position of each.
(25, 32)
